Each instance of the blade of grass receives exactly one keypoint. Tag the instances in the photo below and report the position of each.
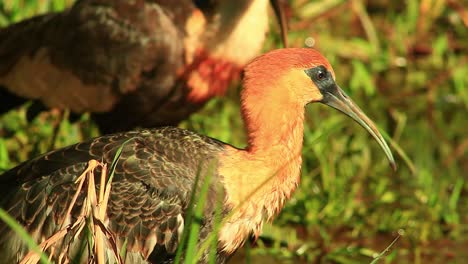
(198, 215)
(401, 233)
(399, 151)
(21, 232)
(216, 226)
(187, 220)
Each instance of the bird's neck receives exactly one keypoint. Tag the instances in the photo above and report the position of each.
(218, 46)
(259, 179)
(237, 34)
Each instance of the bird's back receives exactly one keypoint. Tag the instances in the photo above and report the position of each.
(150, 194)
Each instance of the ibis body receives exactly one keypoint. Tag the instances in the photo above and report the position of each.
(131, 63)
(158, 170)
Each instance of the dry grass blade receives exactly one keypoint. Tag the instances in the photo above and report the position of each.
(94, 208)
(93, 203)
(99, 208)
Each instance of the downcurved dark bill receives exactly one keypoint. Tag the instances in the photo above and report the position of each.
(278, 7)
(337, 99)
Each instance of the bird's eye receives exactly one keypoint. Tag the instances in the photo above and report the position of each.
(321, 75)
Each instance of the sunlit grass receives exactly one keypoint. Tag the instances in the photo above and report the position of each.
(349, 205)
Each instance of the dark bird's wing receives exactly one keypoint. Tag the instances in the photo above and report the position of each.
(149, 198)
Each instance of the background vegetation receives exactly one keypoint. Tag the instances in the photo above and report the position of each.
(405, 64)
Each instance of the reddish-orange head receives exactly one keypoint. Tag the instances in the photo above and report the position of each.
(285, 71)
(282, 60)
(280, 83)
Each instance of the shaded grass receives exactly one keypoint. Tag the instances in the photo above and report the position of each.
(14, 225)
(405, 65)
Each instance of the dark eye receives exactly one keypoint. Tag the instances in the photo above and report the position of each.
(321, 75)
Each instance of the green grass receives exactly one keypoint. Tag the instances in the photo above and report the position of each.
(406, 66)
(4, 216)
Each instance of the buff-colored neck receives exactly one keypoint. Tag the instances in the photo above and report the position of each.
(260, 178)
(275, 126)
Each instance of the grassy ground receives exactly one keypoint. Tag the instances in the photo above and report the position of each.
(405, 64)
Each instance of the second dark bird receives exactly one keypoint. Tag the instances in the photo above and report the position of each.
(131, 63)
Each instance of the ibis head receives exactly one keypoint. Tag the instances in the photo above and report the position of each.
(304, 76)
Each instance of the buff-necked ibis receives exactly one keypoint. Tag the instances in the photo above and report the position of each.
(131, 63)
(157, 168)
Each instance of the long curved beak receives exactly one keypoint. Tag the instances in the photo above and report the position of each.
(337, 99)
(280, 15)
